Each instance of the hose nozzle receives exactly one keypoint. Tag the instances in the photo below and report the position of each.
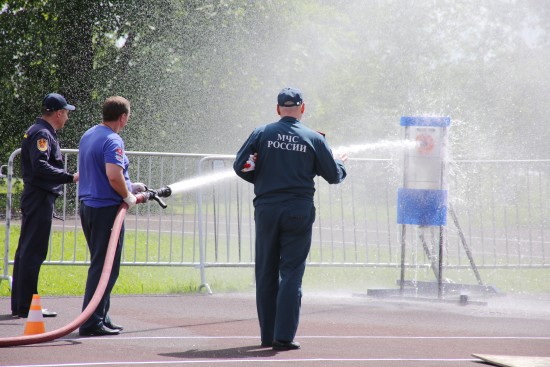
(163, 192)
(156, 195)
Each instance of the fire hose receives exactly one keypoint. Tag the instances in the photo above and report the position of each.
(103, 280)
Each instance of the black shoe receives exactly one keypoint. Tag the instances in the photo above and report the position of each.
(99, 331)
(266, 344)
(46, 313)
(112, 325)
(280, 345)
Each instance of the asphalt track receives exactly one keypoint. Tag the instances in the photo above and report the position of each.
(335, 330)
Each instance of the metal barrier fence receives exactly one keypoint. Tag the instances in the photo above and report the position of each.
(501, 208)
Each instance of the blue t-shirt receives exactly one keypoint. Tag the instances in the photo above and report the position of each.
(98, 146)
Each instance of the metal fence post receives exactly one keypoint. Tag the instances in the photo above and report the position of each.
(8, 218)
(202, 259)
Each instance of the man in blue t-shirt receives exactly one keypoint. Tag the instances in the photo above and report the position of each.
(282, 160)
(104, 184)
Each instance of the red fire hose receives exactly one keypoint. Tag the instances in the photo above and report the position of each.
(100, 290)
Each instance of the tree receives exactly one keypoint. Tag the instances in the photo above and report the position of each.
(201, 74)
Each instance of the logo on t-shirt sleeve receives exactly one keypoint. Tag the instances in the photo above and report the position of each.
(119, 155)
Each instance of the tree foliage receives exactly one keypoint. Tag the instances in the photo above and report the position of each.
(201, 74)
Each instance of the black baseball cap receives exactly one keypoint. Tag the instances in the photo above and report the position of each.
(55, 102)
(290, 97)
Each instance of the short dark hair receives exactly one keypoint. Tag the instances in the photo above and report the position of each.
(114, 107)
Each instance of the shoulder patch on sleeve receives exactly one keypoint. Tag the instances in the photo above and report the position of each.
(42, 144)
(119, 155)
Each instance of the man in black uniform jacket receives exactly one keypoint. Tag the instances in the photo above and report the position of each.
(282, 160)
(43, 178)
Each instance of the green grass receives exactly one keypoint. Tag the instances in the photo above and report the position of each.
(517, 281)
(70, 279)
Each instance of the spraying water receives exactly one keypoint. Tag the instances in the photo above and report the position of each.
(195, 182)
(379, 145)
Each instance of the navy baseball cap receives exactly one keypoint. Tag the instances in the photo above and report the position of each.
(55, 102)
(290, 97)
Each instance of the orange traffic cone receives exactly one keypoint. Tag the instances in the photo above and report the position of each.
(35, 320)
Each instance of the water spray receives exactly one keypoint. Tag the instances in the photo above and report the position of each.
(379, 145)
(196, 182)
(181, 186)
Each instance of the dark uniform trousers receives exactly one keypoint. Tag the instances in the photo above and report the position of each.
(283, 241)
(37, 213)
(96, 225)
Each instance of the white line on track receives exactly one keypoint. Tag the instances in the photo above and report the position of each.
(272, 361)
(332, 337)
(256, 361)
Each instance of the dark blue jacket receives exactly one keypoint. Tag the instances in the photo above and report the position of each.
(41, 159)
(290, 155)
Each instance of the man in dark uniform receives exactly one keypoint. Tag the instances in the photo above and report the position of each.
(43, 178)
(282, 159)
